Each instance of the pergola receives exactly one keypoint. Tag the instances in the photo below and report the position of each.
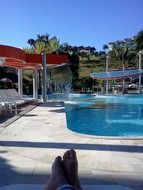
(17, 58)
(114, 75)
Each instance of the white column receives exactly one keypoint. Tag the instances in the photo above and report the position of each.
(44, 75)
(140, 75)
(35, 82)
(20, 81)
(123, 66)
(107, 63)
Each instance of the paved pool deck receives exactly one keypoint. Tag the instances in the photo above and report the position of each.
(29, 145)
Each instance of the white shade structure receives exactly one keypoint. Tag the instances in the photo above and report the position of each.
(116, 74)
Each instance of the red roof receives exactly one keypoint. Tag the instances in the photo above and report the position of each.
(16, 57)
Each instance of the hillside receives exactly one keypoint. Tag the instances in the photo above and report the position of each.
(88, 66)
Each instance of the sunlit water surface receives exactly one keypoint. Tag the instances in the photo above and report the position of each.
(105, 115)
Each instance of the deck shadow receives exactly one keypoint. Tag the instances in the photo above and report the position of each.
(80, 146)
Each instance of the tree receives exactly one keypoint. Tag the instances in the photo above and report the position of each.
(53, 45)
(40, 44)
(139, 41)
(28, 50)
(74, 66)
(44, 43)
(105, 48)
(122, 55)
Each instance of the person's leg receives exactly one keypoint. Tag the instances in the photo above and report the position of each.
(57, 177)
(70, 164)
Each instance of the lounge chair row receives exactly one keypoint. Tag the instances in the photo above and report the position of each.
(10, 99)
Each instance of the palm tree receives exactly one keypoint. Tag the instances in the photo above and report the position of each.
(44, 43)
(28, 50)
(123, 55)
(40, 47)
(105, 48)
(120, 52)
(53, 45)
(106, 55)
(31, 42)
(40, 44)
(44, 38)
(139, 41)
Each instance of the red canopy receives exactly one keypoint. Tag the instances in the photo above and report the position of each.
(16, 57)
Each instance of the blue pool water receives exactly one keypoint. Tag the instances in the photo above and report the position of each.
(105, 115)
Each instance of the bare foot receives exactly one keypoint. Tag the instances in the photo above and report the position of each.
(57, 177)
(70, 164)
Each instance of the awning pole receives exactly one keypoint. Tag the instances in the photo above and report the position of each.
(107, 63)
(35, 82)
(123, 66)
(140, 60)
(44, 75)
(20, 81)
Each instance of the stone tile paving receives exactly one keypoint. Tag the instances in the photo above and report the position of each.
(29, 145)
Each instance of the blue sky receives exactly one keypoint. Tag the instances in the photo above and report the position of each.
(78, 22)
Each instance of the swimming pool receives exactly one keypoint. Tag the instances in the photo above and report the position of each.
(117, 115)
